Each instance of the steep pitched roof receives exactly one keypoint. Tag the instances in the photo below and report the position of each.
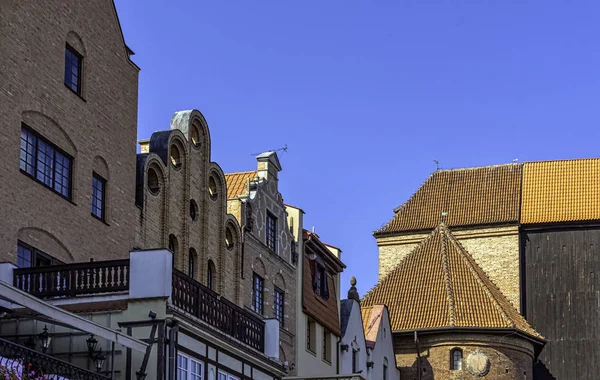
(473, 196)
(561, 191)
(345, 313)
(237, 183)
(371, 318)
(439, 285)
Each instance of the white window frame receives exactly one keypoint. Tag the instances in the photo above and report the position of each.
(190, 361)
(227, 376)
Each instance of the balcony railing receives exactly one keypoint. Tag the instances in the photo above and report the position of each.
(330, 377)
(70, 280)
(29, 364)
(196, 299)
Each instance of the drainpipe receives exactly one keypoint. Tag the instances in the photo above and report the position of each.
(418, 356)
(337, 356)
(172, 359)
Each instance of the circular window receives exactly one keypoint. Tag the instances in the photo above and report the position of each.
(212, 187)
(153, 182)
(175, 157)
(193, 209)
(228, 238)
(195, 136)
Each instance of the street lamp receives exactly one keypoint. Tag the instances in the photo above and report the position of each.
(45, 339)
(30, 342)
(91, 344)
(100, 358)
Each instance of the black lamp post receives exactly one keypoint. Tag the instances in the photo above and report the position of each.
(44, 339)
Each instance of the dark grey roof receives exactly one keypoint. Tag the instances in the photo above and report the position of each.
(345, 311)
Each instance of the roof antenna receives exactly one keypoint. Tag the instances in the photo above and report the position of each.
(516, 160)
(437, 165)
(313, 229)
(284, 150)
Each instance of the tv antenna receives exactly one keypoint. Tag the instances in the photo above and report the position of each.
(284, 149)
(437, 165)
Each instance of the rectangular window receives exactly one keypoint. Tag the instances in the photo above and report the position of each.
(385, 376)
(354, 361)
(321, 282)
(46, 163)
(271, 232)
(98, 194)
(28, 256)
(326, 346)
(257, 293)
(279, 302)
(225, 376)
(311, 344)
(189, 369)
(73, 63)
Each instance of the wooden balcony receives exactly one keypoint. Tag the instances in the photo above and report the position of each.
(203, 303)
(29, 364)
(70, 280)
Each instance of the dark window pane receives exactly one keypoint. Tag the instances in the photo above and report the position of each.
(271, 232)
(23, 257)
(62, 174)
(27, 155)
(257, 296)
(279, 304)
(98, 196)
(73, 70)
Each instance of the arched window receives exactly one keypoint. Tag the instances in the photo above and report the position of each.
(192, 263)
(385, 369)
(456, 359)
(173, 247)
(195, 136)
(209, 274)
(213, 191)
(229, 238)
(175, 156)
(153, 181)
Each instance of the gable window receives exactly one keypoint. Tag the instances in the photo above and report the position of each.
(354, 361)
(42, 161)
(28, 256)
(73, 64)
(279, 302)
(189, 369)
(456, 359)
(257, 293)
(271, 232)
(98, 196)
(311, 327)
(320, 282)
(326, 346)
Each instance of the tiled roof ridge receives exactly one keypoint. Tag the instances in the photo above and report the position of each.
(480, 278)
(441, 230)
(563, 160)
(242, 172)
(480, 167)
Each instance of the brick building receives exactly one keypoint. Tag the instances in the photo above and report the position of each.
(449, 320)
(68, 111)
(268, 277)
(534, 228)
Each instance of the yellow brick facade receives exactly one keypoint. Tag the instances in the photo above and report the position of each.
(496, 251)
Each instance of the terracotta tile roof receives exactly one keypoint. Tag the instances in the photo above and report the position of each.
(371, 318)
(473, 196)
(439, 285)
(560, 191)
(237, 183)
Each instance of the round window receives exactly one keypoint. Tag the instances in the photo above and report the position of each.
(193, 209)
(175, 156)
(153, 182)
(228, 238)
(212, 187)
(195, 136)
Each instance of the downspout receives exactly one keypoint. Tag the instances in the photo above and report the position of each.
(337, 356)
(172, 363)
(418, 356)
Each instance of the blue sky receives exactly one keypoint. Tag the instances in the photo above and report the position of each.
(366, 94)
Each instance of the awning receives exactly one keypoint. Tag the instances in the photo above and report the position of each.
(11, 294)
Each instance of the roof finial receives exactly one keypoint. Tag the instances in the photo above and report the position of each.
(443, 217)
(352, 292)
(437, 165)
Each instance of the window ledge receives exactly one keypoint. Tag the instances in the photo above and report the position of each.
(326, 361)
(99, 219)
(311, 352)
(78, 95)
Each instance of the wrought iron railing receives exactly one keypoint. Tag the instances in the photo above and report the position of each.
(325, 377)
(25, 363)
(196, 299)
(70, 280)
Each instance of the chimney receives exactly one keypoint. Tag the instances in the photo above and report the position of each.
(268, 165)
(144, 145)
